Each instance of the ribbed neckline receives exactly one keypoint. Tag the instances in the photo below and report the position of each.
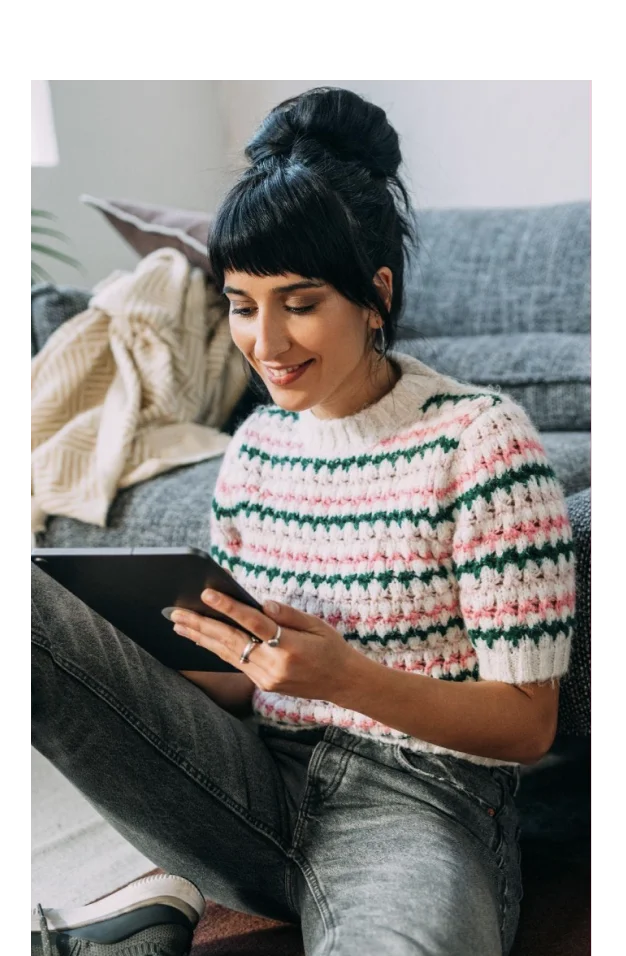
(351, 433)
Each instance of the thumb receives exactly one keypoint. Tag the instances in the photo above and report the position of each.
(289, 616)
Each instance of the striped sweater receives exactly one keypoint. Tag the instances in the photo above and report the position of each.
(428, 529)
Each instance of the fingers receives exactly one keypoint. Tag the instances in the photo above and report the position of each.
(292, 617)
(246, 617)
(192, 625)
(228, 643)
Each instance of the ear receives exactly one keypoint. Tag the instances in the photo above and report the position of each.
(384, 280)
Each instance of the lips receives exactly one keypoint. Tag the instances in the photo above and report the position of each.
(281, 377)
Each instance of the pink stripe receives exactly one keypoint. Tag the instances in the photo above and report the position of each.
(421, 432)
(520, 609)
(515, 449)
(226, 487)
(413, 618)
(465, 661)
(267, 710)
(405, 438)
(264, 439)
(359, 561)
(527, 529)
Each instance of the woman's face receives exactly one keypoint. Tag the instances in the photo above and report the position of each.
(282, 321)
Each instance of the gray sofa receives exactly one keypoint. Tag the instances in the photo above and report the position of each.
(499, 297)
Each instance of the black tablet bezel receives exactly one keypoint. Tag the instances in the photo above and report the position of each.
(130, 587)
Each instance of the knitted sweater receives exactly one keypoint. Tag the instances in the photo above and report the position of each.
(428, 529)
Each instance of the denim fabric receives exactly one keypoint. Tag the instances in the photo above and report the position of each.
(372, 848)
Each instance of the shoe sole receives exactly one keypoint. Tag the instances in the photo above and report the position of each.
(159, 890)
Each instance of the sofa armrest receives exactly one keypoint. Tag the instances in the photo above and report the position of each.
(575, 695)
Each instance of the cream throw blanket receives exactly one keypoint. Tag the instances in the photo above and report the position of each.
(137, 384)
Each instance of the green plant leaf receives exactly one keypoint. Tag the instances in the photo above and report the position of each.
(38, 273)
(44, 231)
(43, 214)
(55, 254)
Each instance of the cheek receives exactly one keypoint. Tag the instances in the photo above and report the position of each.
(239, 336)
(341, 339)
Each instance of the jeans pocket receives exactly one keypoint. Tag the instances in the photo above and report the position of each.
(486, 786)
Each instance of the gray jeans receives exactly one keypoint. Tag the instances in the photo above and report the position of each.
(373, 848)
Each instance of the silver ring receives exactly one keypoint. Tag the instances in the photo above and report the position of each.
(245, 657)
(276, 639)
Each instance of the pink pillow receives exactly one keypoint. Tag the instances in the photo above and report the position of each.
(146, 227)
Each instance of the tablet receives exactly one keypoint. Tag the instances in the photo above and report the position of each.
(132, 587)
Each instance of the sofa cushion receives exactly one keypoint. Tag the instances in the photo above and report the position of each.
(569, 453)
(51, 306)
(147, 227)
(170, 510)
(548, 373)
(485, 271)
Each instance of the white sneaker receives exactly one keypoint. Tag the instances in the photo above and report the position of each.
(156, 915)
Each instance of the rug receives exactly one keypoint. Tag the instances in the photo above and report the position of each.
(75, 854)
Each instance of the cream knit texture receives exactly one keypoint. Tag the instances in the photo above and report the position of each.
(139, 383)
(429, 529)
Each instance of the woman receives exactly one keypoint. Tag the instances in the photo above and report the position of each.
(417, 543)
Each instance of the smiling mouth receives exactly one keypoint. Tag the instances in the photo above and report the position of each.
(293, 371)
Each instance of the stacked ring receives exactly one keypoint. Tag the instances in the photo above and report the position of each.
(276, 639)
(245, 657)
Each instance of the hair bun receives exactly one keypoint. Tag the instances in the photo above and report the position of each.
(328, 120)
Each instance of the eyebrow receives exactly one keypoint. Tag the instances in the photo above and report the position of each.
(305, 284)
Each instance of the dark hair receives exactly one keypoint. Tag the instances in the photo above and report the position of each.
(321, 198)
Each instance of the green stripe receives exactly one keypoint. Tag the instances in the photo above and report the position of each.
(518, 476)
(384, 578)
(423, 633)
(505, 482)
(498, 562)
(276, 412)
(342, 464)
(464, 674)
(516, 634)
(439, 399)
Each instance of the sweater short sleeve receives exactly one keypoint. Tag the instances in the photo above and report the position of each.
(513, 553)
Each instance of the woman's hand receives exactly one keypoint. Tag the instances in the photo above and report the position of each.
(314, 661)
(311, 661)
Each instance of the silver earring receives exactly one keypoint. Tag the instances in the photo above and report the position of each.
(381, 350)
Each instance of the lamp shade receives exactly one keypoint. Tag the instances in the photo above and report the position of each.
(43, 141)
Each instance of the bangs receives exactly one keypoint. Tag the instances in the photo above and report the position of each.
(287, 222)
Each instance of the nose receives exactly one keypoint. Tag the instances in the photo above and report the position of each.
(270, 337)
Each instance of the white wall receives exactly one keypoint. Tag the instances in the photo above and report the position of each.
(465, 143)
(152, 141)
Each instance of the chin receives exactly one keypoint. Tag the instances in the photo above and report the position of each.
(292, 403)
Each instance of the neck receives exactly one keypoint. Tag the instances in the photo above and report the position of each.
(381, 377)
(397, 407)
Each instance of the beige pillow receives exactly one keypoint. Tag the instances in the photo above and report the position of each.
(146, 227)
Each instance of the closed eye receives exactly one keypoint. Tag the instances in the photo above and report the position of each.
(298, 311)
(247, 310)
